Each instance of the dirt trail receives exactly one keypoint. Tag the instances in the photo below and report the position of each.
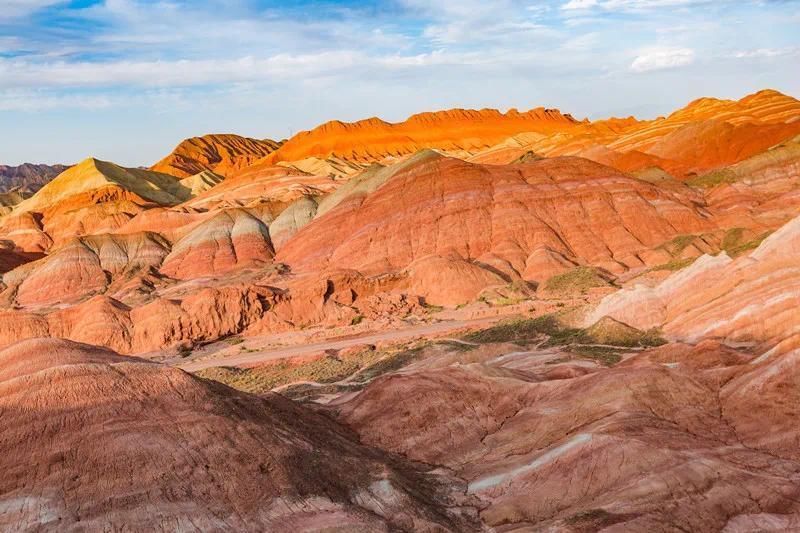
(246, 359)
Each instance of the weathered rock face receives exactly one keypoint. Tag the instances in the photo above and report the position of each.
(202, 182)
(84, 266)
(760, 191)
(752, 299)
(8, 200)
(232, 239)
(26, 232)
(222, 154)
(263, 184)
(449, 281)
(667, 437)
(373, 140)
(441, 206)
(295, 216)
(172, 224)
(204, 315)
(186, 453)
(764, 107)
(10, 258)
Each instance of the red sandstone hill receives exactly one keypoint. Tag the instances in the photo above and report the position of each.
(457, 129)
(96, 441)
(752, 299)
(223, 154)
(526, 220)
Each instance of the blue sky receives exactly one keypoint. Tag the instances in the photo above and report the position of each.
(126, 80)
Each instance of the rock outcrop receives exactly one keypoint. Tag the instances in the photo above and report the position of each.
(234, 238)
(84, 266)
(222, 154)
(753, 299)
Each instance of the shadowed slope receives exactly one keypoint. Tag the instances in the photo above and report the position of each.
(94, 440)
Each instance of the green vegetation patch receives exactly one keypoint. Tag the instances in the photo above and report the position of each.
(611, 332)
(327, 369)
(712, 179)
(390, 363)
(458, 346)
(734, 242)
(674, 265)
(595, 520)
(678, 244)
(605, 355)
(605, 342)
(577, 280)
(517, 331)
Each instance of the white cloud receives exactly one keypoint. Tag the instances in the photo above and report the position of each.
(662, 58)
(207, 72)
(579, 4)
(629, 5)
(31, 100)
(766, 52)
(20, 8)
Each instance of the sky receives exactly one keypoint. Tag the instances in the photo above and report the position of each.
(126, 80)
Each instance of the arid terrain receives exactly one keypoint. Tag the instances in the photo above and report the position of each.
(470, 320)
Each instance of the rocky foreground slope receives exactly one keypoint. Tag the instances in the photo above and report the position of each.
(96, 441)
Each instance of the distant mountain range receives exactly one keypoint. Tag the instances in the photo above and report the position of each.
(28, 177)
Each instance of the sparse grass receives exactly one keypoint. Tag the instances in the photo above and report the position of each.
(605, 343)
(503, 301)
(678, 244)
(519, 331)
(610, 332)
(577, 280)
(605, 355)
(391, 363)
(732, 238)
(734, 245)
(674, 265)
(712, 179)
(458, 346)
(592, 515)
(326, 369)
(558, 361)
(185, 350)
(233, 341)
(358, 319)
